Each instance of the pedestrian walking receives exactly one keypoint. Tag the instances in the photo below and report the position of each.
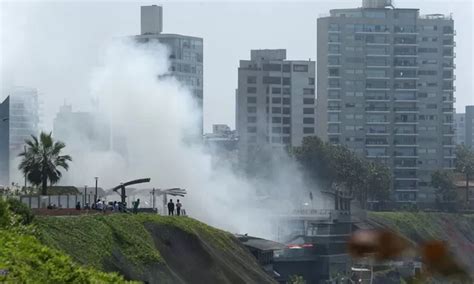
(171, 208)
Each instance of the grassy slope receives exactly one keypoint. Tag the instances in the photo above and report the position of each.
(128, 244)
(456, 229)
(26, 260)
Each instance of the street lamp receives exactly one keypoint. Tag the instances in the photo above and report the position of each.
(95, 196)
(24, 148)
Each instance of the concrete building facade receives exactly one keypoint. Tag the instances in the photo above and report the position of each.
(19, 119)
(385, 90)
(275, 101)
(460, 127)
(470, 126)
(185, 52)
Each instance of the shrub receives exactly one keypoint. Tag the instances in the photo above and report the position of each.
(4, 214)
(20, 209)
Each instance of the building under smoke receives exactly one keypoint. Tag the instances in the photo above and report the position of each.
(185, 53)
(275, 101)
(86, 129)
(19, 118)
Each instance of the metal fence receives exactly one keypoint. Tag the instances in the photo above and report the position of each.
(59, 201)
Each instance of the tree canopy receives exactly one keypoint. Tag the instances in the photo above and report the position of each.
(327, 164)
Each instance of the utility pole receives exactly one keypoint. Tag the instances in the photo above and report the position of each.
(85, 195)
(153, 198)
(95, 196)
(24, 147)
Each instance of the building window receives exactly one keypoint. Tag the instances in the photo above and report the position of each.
(276, 130)
(286, 81)
(251, 119)
(271, 67)
(251, 79)
(276, 109)
(308, 110)
(300, 68)
(251, 90)
(286, 120)
(311, 81)
(276, 119)
(308, 101)
(252, 129)
(252, 100)
(271, 80)
(286, 130)
(276, 90)
(308, 120)
(308, 130)
(276, 100)
(286, 68)
(286, 101)
(286, 110)
(286, 91)
(251, 109)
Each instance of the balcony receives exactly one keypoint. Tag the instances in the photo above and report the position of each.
(377, 99)
(377, 122)
(377, 109)
(401, 122)
(449, 32)
(406, 109)
(334, 108)
(449, 65)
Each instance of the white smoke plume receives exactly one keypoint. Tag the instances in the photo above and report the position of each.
(157, 116)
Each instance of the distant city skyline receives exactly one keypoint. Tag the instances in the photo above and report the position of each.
(58, 59)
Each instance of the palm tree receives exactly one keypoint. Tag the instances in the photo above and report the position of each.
(41, 161)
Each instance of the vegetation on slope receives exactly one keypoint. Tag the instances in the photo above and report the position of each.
(23, 259)
(152, 248)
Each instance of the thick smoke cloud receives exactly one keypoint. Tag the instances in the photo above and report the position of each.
(158, 117)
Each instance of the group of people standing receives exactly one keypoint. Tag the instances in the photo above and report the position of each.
(171, 207)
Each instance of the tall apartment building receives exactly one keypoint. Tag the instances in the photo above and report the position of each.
(385, 90)
(185, 52)
(275, 101)
(460, 127)
(19, 118)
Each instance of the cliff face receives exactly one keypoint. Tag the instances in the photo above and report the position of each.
(153, 249)
(456, 229)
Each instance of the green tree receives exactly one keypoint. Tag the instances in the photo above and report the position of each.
(443, 181)
(465, 165)
(42, 160)
(377, 181)
(328, 164)
(316, 160)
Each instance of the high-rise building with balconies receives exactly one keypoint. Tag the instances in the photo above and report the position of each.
(185, 53)
(385, 90)
(275, 102)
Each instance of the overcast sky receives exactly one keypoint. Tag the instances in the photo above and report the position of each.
(54, 45)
